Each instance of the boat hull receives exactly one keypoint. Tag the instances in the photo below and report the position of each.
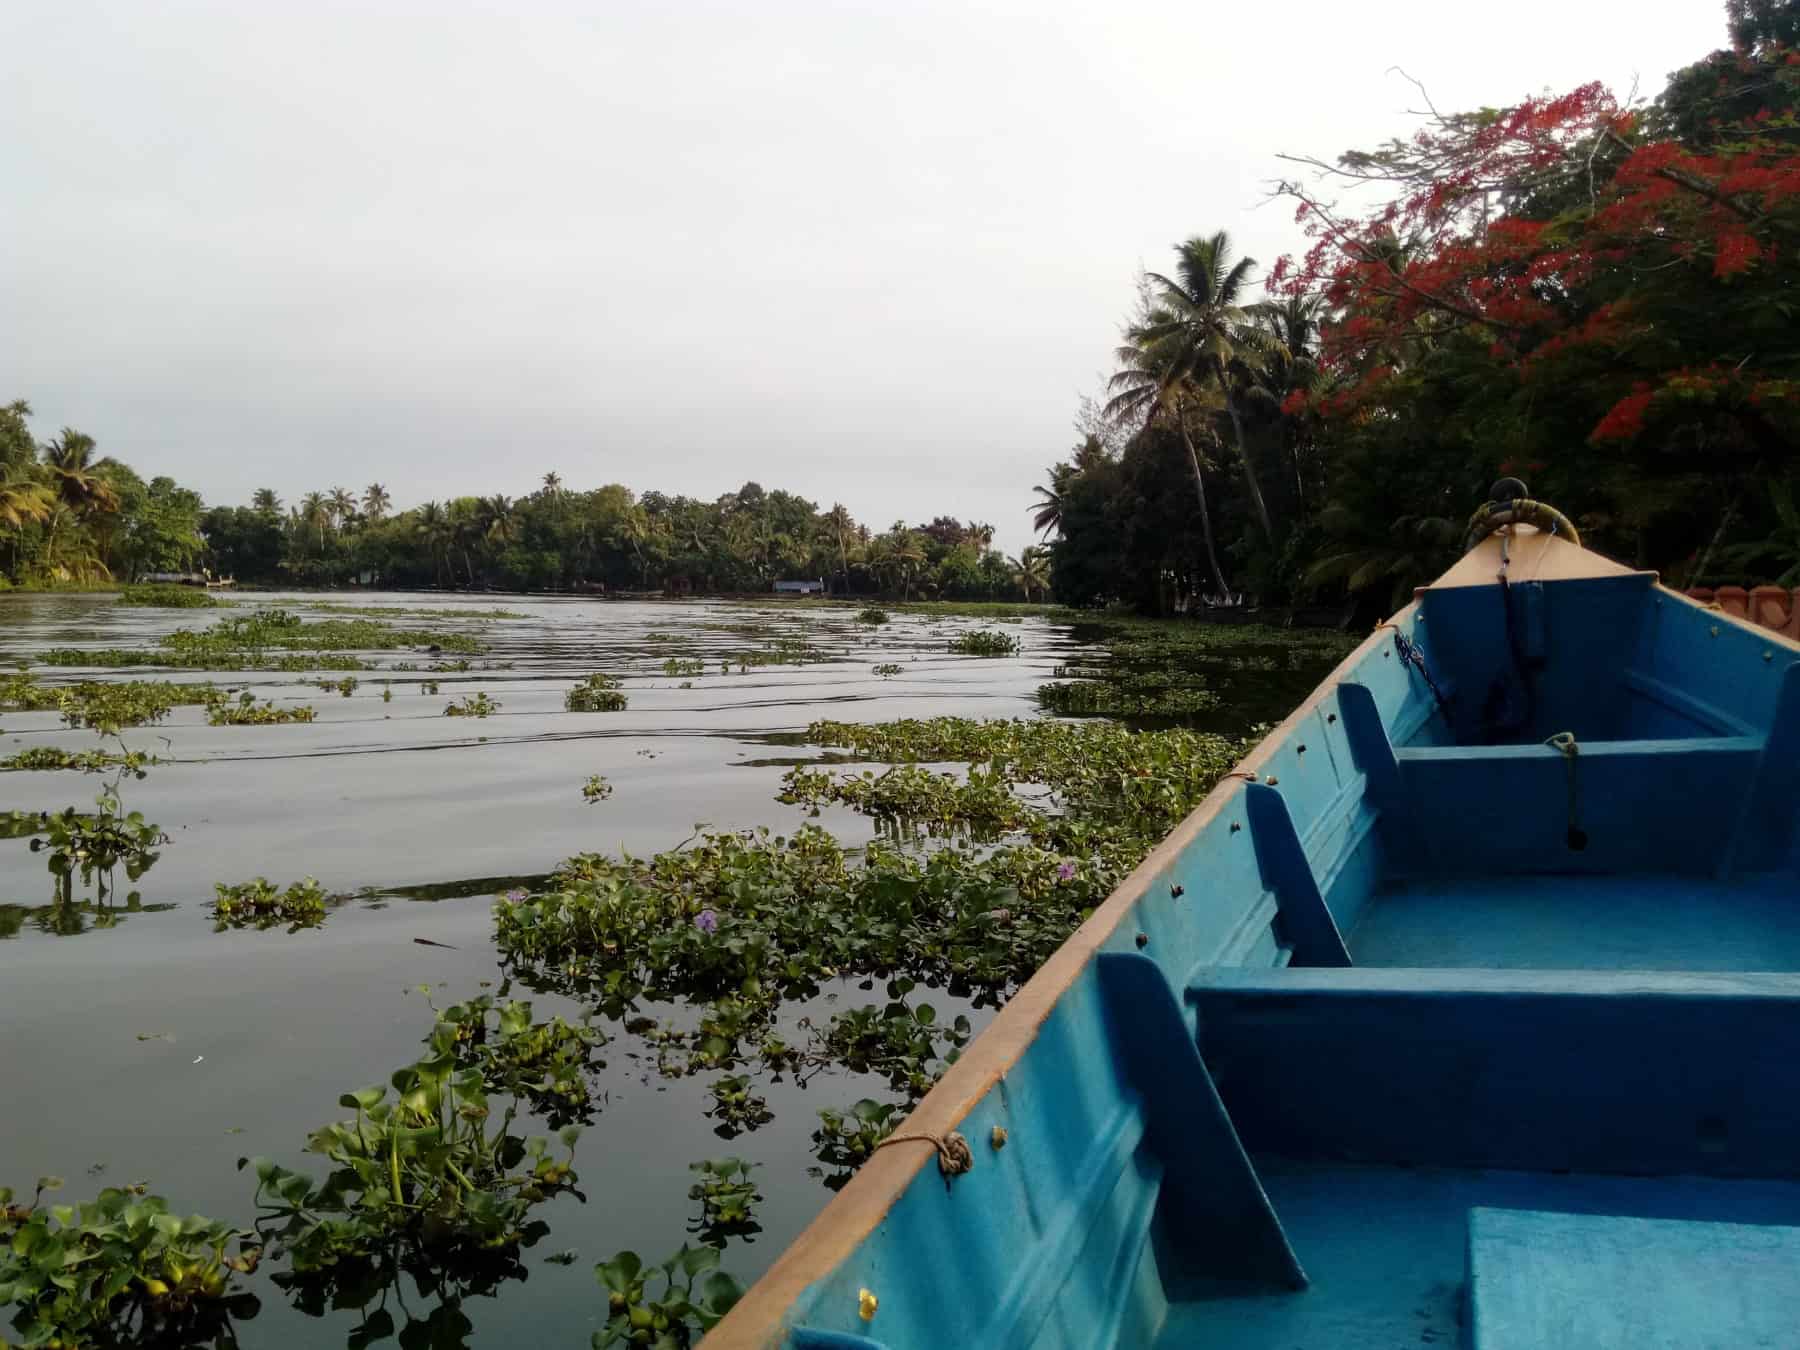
(1393, 940)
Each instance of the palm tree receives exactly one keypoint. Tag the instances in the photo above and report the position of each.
(265, 501)
(23, 499)
(1197, 330)
(375, 501)
(499, 520)
(70, 462)
(1031, 570)
(1407, 554)
(1153, 386)
(434, 528)
(637, 530)
(905, 555)
(343, 505)
(1776, 557)
(553, 484)
(76, 488)
(841, 528)
(315, 513)
(1047, 511)
(1293, 363)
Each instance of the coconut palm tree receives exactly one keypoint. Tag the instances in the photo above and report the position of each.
(1031, 570)
(1047, 510)
(1197, 329)
(840, 528)
(1406, 554)
(73, 472)
(77, 489)
(376, 501)
(1292, 365)
(342, 506)
(265, 501)
(1156, 387)
(23, 499)
(553, 484)
(314, 513)
(434, 528)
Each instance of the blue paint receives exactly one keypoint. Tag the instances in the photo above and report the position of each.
(1390, 995)
(1537, 1279)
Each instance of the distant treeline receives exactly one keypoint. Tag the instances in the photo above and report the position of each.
(68, 515)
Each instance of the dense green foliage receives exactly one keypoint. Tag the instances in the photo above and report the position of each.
(119, 1270)
(258, 903)
(1595, 298)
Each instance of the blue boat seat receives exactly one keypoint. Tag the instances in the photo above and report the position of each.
(1598, 1071)
(1537, 1279)
(1507, 809)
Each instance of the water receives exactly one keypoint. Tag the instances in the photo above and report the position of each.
(252, 1036)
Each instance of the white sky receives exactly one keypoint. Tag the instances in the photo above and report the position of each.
(869, 253)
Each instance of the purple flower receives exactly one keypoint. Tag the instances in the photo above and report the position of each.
(516, 894)
(1066, 872)
(706, 921)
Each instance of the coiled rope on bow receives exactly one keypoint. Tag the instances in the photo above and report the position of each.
(953, 1153)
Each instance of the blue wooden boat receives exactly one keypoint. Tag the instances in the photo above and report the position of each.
(1467, 1012)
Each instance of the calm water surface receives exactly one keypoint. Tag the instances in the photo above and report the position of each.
(255, 1035)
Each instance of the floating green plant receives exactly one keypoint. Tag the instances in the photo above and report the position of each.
(887, 670)
(47, 757)
(121, 1269)
(682, 1310)
(345, 686)
(907, 1045)
(785, 651)
(94, 844)
(246, 711)
(597, 693)
(872, 615)
(476, 705)
(425, 1173)
(735, 1107)
(170, 597)
(678, 665)
(728, 1199)
(544, 1064)
(596, 789)
(106, 707)
(847, 1138)
(259, 903)
(1135, 698)
(984, 642)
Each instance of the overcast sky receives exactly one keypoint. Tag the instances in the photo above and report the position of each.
(870, 253)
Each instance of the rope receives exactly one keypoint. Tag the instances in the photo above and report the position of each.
(1410, 655)
(1564, 741)
(953, 1154)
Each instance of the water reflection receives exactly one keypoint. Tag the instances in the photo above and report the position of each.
(68, 919)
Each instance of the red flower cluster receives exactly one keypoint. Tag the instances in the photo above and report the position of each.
(1625, 418)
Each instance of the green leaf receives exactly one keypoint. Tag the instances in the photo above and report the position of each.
(618, 1273)
(697, 1259)
(362, 1099)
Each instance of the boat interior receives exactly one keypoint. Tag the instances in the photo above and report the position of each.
(1474, 1020)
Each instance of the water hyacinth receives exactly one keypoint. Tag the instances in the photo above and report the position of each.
(707, 921)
